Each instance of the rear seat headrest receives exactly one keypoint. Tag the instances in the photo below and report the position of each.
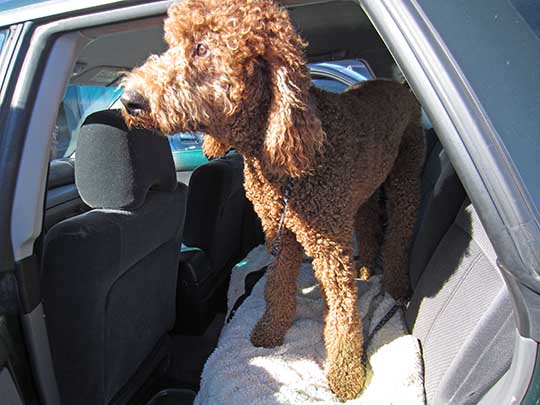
(116, 166)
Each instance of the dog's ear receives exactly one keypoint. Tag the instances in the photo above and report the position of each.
(294, 133)
(213, 148)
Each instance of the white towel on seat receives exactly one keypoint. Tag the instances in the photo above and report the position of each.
(241, 374)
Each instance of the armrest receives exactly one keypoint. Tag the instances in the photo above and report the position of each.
(195, 267)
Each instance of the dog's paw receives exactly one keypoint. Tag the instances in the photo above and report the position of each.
(264, 335)
(346, 378)
(364, 273)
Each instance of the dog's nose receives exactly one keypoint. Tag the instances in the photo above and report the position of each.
(134, 102)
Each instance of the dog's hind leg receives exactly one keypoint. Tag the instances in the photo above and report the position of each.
(402, 195)
(280, 294)
(368, 230)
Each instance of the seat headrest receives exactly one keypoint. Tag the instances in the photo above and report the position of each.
(115, 167)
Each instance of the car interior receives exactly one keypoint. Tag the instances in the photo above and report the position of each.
(137, 255)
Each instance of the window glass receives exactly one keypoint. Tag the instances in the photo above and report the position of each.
(79, 102)
(337, 76)
(330, 84)
(6, 5)
(359, 68)
(3, 36)
(497, 47)
(530, 12)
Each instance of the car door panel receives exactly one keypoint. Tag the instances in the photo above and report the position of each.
(8, 390)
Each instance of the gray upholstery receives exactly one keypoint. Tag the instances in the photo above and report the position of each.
(461, 312)
(442, 196)
(109, 283)
(460, 309)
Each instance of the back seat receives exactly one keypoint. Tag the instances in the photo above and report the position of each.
(460, 309)
(212, 241)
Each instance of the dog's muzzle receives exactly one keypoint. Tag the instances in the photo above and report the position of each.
(134, 103)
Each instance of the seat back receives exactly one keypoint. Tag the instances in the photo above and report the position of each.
(212, 241)
(442, 197)
(216, 201)
(109, 275)
(460, 309)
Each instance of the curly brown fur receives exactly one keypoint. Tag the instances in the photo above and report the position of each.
(236, 71)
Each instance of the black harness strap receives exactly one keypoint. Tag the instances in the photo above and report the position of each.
(276, 244)
(249, 283)
(391, 312)
(253, 277)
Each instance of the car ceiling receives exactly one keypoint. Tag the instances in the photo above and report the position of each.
(334, 30)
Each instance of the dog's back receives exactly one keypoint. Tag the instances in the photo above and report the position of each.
(364, 128)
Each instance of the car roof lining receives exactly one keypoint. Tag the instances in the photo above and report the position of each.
(334, 30)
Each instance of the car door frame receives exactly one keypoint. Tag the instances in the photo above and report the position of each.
(16, 381)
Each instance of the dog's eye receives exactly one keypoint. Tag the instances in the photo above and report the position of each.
(201, 50)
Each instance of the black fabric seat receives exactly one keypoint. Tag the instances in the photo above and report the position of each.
(213, 240)
(460, 309)
(109, 275)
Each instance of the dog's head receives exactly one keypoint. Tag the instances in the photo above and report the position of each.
(226, 60)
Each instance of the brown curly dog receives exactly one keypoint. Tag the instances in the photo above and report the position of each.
(235, 70)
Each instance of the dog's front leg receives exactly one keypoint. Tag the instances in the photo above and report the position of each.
(334, 268)
(280, 294)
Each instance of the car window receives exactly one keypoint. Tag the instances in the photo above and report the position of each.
(3, 36)
(78, 103)
(6, 5)
(328, 84)
(337, 76)
(81, 101)
(504, 36)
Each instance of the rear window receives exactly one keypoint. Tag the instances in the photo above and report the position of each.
(337, 76)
